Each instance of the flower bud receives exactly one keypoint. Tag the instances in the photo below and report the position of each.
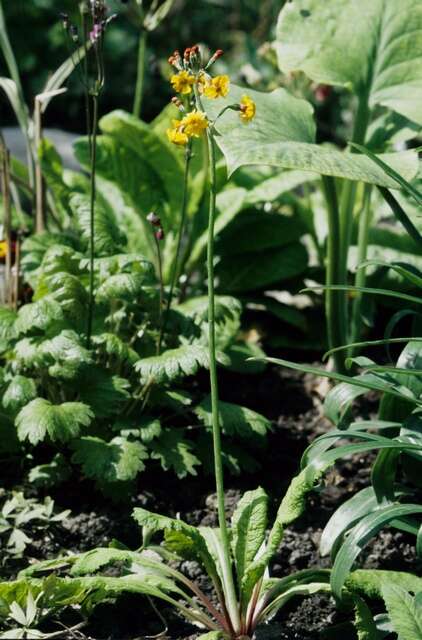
(154, 219)
(159, 234)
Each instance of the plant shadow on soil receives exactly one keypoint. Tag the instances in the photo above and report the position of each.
(292, 401)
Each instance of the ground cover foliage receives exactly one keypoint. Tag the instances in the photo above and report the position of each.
(199, 243)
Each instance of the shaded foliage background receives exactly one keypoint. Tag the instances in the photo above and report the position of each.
(37, 36)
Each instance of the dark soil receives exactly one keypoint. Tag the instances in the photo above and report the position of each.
(293, 402)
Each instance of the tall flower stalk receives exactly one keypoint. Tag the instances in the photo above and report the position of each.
(192, 82)
(92, 74)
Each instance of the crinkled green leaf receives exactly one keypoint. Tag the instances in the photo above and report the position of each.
(102, 391)
(124, 286)
(20, 391)
(42, 315)
(68, 354)
(174, 452)
(61, 422)
(114, 346)
(173, 364)
(404, 613)
(235, 420)
(364, 621)
(7, 328)
(50, 474)
(117, 460)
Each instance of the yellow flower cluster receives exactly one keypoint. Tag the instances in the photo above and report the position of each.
(192, 77)
(3, 249)
(191, 126)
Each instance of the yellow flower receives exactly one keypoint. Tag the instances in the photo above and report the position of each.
(176, 134)
(3, 249)
(247, 109)
(218, 87)
(182, 82)
(195, 123)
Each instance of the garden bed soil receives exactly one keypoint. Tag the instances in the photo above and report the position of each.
(293, 402)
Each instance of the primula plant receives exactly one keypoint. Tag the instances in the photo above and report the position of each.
(236, 558)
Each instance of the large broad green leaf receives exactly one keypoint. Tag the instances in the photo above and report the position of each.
(374, 48)
(107, 235)
(130, 183)
(253, 271)
(62, 422)
(117, 460)
(249, 523)
(404, 610)
(52, 168)
(141, 139)
(283, 134)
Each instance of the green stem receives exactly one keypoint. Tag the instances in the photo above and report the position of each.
(230, 591)
(333, 274)
(360, 279)
(347, 205)
(161, 301)
(92, 216)
(140, 76)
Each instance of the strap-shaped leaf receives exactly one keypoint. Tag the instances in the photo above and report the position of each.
(350, 512)
(294, 502)
(380, 56)
(360, 535)
(62, 422)
(282, 134)
(249, 523)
